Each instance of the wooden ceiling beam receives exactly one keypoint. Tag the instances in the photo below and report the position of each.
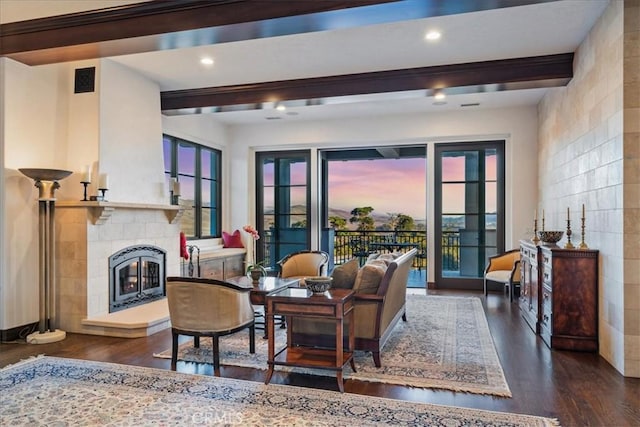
(100, 33)
(505, 71)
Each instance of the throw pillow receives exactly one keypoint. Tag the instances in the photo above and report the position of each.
(368, 279)
(344, 275)
(233, 240)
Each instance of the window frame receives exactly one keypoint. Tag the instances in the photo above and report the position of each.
(215, 179)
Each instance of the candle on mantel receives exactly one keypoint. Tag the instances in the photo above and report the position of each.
(176, 188)
(103, 181)
(86, 174)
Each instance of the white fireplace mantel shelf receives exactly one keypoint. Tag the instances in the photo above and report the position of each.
(101, 211)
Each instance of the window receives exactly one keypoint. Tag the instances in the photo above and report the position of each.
(197, 169)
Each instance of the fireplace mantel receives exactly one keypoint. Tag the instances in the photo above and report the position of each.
(100, 211)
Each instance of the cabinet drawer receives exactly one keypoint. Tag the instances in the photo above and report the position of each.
(546, 260)
(547, 277)
(547, 308)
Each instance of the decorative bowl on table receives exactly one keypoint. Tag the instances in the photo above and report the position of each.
(550, 237)
(318, 284)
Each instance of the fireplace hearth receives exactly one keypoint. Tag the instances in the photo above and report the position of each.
(136, 276)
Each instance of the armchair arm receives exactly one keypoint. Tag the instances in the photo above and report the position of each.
(369, 298)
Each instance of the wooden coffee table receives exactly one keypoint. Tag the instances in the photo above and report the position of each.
(335, 304)
(266, 286)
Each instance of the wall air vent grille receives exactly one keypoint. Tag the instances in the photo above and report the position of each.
(85, 80)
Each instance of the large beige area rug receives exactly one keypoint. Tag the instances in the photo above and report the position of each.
(63, 392)
(445, 344)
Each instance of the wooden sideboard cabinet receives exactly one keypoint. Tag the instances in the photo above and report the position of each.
(559, 295)
(569, 298)
(529, 284)
(220, 265)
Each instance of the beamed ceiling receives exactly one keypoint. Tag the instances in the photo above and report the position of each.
(157, 38)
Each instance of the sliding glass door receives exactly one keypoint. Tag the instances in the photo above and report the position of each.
(283, 204)
(469, 211)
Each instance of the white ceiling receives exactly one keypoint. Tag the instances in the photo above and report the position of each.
(539, 29)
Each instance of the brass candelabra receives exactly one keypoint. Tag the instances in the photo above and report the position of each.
(535, 231)
(569, 245)
(582, 244)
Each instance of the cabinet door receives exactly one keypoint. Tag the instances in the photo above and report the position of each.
(233, 266)
(212, 269)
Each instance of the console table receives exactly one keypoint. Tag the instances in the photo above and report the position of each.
(336, 305)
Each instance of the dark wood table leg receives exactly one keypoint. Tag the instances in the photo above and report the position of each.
(340, 381)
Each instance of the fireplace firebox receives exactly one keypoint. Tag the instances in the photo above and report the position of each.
(136, 276)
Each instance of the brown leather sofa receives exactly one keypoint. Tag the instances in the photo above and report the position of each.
(377, 309)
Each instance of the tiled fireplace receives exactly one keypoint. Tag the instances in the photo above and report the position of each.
(87, 235)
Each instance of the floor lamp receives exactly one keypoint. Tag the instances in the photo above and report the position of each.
(46, 180)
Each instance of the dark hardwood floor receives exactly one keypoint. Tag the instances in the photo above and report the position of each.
(580, 389)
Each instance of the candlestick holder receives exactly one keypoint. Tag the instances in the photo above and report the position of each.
(102, 195)
(569, 245)
(535, 232)
(85, 183)
(582, 244)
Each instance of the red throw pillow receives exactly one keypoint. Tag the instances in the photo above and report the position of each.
(183, 246)
(232, 240)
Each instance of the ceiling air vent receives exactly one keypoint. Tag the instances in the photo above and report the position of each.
(273, 118)
(472, 104)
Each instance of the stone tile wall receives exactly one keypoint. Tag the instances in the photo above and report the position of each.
(631, 150)
(587, 156)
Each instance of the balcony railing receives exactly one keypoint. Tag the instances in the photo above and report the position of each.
(360, 244)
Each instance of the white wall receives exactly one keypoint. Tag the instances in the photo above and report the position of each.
(31, 136)
(117, 128)
(518, 126)
(131, 136)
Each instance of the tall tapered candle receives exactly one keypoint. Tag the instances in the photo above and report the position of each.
(535, 215)
(568, 216)
(583, 211)
(103, 181)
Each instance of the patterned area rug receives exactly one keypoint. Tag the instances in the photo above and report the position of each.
(445, 344)
(55, 391)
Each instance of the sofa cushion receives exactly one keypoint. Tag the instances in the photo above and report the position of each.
(344, 275)
(369, 277)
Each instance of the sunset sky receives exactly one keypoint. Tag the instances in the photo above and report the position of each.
(387, 185)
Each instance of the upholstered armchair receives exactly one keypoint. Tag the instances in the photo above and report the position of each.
(208, 308)
(504, 268)
(304, 264)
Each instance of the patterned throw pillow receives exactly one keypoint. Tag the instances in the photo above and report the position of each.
(233, 240)
(344, 275)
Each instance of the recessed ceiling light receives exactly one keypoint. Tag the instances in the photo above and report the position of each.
(439, 95)
(281, 107)
(433, 35)
(206, 61)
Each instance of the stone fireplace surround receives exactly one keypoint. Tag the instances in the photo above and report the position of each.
(87, 233)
